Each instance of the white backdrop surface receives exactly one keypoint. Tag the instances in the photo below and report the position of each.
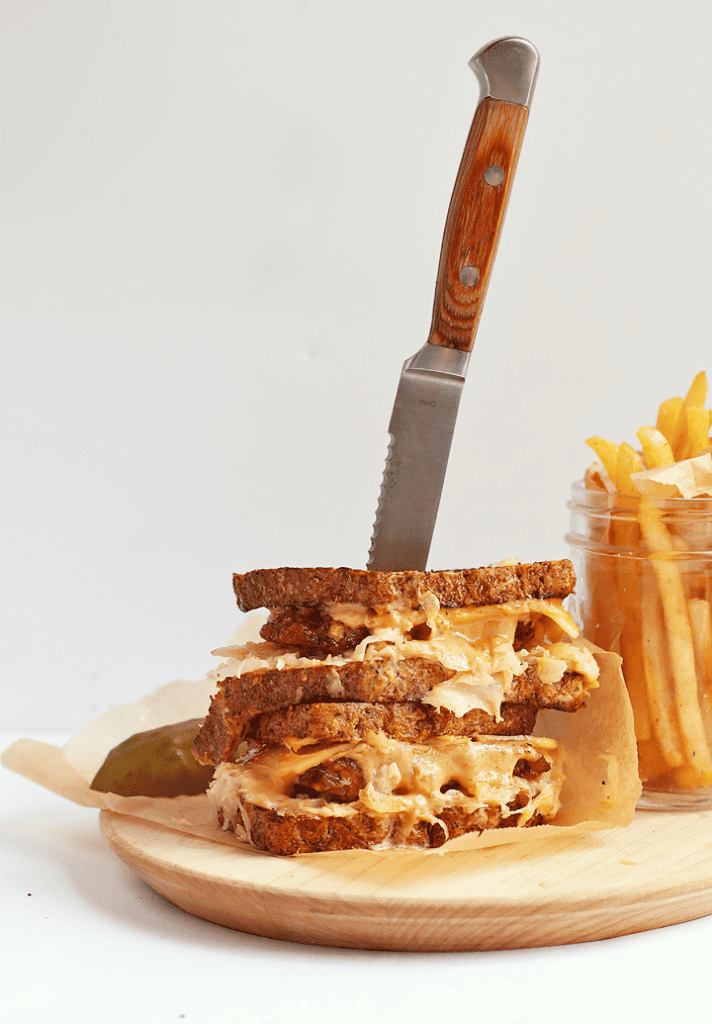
(219, 231)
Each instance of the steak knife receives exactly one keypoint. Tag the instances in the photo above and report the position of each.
(431, 382)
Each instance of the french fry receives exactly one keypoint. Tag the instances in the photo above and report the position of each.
(627, 461)
(680, 645)
(607, 451)
(626, 535)
(631, 651)
(701, 623)
(697, 431)
(695, 396)
(657, 669)
(656, 450)
(668, 414)
(698, 390)
(678, 543)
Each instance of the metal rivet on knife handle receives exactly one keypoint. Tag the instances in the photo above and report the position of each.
(494, 176)
(469, 276)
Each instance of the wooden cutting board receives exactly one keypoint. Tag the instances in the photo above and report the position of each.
(655, 873)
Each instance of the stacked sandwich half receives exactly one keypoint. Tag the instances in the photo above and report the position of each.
(392, 709)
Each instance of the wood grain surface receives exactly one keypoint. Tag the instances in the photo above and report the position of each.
(657, 872)
(475, 220)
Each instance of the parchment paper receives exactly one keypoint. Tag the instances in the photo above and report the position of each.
(691, 478)
(600, 762)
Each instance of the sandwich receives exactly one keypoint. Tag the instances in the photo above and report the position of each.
(392, 709)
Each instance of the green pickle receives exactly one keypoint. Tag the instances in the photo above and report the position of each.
(155, 763)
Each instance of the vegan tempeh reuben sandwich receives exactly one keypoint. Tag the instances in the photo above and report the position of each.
(393, 709)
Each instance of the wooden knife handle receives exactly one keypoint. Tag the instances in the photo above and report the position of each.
(474, 221)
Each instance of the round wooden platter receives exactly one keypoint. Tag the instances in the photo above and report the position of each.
(569, 889)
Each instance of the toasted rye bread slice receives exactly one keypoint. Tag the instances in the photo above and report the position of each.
(288, 587)
(380, 681)
(411, 721)
(383, 681)
(254, 693)
(289, 834)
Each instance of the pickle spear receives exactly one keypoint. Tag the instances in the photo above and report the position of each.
(157, 763)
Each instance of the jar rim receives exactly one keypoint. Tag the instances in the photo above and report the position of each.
(588, 499)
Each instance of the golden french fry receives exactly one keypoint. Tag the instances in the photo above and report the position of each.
(627, 461)
(695, 396)
(625, 534)
(678, 543)
(631, 651)
(698, 390)
(701, 623)
(624, 596)
(657, 674)
(680, 644)
(656, 450)
(607, 451)
(668, 414)
(697, 430)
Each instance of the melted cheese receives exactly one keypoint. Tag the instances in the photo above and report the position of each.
(403, 779)
(474, 643)
(470, 620)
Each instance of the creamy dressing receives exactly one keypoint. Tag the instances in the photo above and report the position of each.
(399, 778)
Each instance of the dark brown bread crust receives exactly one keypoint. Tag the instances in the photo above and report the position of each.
(288, 587)
(411, 721)
(371, 682)
(289, 834)
(217, 738)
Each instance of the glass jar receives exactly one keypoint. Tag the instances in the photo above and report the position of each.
(644, 587)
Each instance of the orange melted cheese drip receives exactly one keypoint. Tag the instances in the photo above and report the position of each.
(407, 780)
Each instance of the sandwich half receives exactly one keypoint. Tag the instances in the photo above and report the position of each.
(392, 709)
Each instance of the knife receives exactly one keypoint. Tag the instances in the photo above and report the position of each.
(431, 382)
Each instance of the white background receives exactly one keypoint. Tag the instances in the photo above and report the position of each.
(220, 223)
(219, 230)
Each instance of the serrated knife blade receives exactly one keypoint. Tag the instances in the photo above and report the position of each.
(428, 397)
